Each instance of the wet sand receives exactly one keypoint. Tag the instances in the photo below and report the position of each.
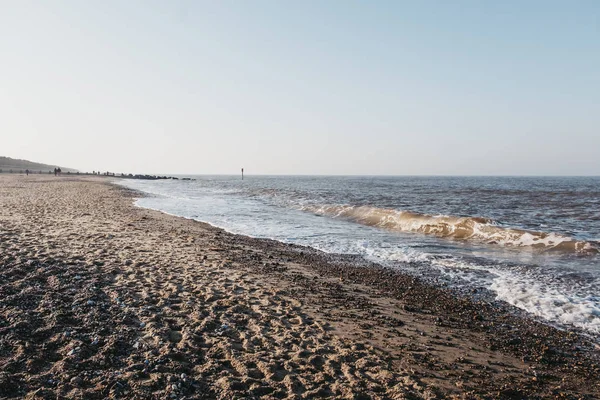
(100, 299)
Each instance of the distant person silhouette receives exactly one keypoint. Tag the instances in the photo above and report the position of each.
(27, 172)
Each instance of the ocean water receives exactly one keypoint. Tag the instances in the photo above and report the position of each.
(533, 242)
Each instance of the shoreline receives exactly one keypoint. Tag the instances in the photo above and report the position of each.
(483, 295)
(417, 269)
(234, 315)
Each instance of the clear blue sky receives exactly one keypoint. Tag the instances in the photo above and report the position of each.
(305, 87)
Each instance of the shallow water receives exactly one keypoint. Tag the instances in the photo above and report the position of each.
(532, 242)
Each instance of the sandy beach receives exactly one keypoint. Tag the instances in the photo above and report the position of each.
(101, 299)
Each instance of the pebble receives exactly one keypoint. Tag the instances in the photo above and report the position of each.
(77, 381)
(91, 302)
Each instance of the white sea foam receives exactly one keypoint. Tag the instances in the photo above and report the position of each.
(533, 290)
(542, 299)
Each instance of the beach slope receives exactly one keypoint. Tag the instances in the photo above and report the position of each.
(100, 299)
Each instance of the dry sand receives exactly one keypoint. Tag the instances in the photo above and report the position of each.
(101, 299)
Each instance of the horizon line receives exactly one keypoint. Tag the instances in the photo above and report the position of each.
(392, 175)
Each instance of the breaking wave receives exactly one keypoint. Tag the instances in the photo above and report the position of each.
(465, 228)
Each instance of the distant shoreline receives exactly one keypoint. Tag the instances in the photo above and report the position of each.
(100, 175)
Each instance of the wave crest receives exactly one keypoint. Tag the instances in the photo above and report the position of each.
(466, 228)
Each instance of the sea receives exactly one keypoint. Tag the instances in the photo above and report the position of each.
(533, 242)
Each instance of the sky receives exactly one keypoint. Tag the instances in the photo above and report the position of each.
(303, 87)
